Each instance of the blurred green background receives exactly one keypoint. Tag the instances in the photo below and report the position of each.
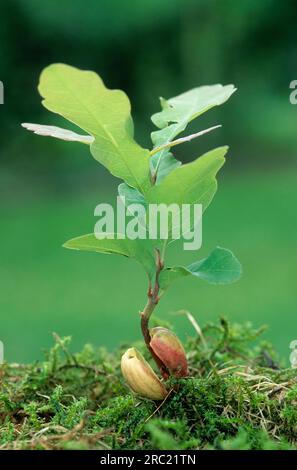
(49, 189)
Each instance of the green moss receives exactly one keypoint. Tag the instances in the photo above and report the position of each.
(238, 397)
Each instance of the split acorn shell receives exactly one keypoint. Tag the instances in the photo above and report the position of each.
(140, 376)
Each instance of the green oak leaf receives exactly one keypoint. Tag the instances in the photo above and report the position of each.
(192, 183)
(179, 111)
(220, 267)
(140, 250)
(82, 98)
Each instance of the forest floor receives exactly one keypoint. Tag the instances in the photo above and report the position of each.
(237, 397)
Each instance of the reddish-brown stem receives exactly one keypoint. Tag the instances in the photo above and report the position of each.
(147, 339)
(153, 299)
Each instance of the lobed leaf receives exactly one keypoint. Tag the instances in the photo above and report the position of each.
(179, 111)
(82, 98)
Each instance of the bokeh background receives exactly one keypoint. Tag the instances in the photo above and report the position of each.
(49, 189)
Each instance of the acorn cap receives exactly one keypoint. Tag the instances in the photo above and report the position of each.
(140, 376)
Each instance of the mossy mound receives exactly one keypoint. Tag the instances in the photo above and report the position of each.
(238, 397)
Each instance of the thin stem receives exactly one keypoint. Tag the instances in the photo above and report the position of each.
(153, 299)
(145, 315)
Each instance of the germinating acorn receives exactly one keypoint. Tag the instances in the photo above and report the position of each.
(141, 377)
(169, 349)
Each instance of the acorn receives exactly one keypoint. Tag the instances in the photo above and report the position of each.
(170, 351)
(140, 376)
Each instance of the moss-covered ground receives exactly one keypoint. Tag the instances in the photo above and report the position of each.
(238, 397)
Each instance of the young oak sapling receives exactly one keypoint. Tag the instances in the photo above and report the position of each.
(149, 177)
